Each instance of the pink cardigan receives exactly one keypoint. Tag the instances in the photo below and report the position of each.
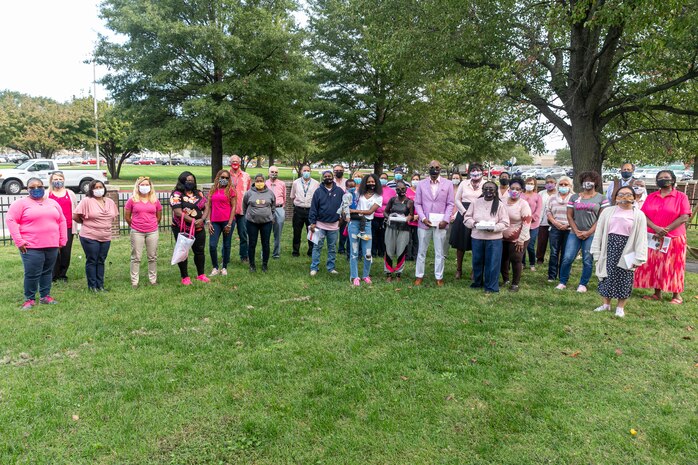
(37, 224)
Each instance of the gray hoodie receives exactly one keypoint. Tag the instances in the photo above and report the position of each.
(258, 206)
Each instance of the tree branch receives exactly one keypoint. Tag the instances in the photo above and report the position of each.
(640, 108)
(615, 140)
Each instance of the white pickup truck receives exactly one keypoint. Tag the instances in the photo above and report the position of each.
(13, 180)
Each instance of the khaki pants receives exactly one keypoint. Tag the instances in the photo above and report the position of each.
(150, 241)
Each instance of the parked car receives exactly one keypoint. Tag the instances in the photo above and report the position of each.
(93, 161)
(3, 160)
(17, 157)
(64, 161)
(556, 172)
(12, 181)
(196, 162)
(610, 174)
(144, 161)
(687, 175)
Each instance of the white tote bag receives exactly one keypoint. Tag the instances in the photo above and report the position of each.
(183, 245)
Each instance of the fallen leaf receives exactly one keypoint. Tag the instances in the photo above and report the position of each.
(25, 356)
(404, 378)
(235, 288)
(305, 298)
(493, 343)
(250, 307)
(450, 397)
(279, 341)
(619, 352)
(207, 320)
(687, 338)
(575, 353)
(398, 289)
(690, 328)
(473, 360)
(76, 418)
(633, 432)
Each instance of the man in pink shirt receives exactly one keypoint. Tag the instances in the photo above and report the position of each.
(278, 187)
(242, 183)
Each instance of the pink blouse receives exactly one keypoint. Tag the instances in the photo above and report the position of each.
(535, 201)
(97, 218)
(621, 222)
(466, 193)
(519, 217)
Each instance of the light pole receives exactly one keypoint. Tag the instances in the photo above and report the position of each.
(94, 98)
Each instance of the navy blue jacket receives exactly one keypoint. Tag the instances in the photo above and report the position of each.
(325, 204)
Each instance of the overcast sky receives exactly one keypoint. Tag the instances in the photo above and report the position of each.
(44, 43)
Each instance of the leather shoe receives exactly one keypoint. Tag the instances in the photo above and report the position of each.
(440, 282)
(459, 274)
(418, 282)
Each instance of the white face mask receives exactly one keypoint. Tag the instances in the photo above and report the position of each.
(529, 187)
(639, 190)
(98, 193)
(144, 189)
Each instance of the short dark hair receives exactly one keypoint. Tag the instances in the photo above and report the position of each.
(400, 182)
(505, 172)
(518, 181)
(671, 173)
(259, 175)
(379, 187)
(338, 164)
(592, 176)
(474, 166)
(627, 188)
(91, 187)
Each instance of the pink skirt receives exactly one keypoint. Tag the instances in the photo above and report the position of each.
(665, 271)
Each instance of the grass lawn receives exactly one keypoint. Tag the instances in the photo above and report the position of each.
(281, 368)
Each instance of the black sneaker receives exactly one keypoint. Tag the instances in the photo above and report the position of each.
(264, 268)
(253, 269)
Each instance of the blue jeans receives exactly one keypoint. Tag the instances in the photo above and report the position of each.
(359, 246)
(331, 237)
(531, 249)
(487, 261)
(571, 250)
(557, 240)
(38, 271)
(278, 228)
(95, 256)
(218, 227)
(241, 224)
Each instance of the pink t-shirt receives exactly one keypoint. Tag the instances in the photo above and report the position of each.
(66, 204)
(221, 207)
(36, 224)
(663, 211)
(143, 215)
(621, 222)
(97, 218)
(410, 194)
(388, 193)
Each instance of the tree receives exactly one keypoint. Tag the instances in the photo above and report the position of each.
(196, 67)
(36, 126)
(600, 71)
(563, 157)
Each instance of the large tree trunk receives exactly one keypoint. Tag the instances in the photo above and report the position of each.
(216, 150)
(585, 147)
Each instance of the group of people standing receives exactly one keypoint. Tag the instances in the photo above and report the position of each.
(368, 216)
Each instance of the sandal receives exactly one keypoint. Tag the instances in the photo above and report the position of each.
(650, 297)
(676, 301)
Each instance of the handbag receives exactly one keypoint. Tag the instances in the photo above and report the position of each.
(183, 245)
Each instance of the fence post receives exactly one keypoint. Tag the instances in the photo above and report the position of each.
(113, 193)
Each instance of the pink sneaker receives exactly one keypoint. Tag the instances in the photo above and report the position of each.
(28, 304)
(48, 300)
(356, 282)
(186, 281)
(367, 280)
(203, 278)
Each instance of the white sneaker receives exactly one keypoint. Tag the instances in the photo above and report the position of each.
(334, 272)
(224, 272)
(581, 288)
(313, 272)
(603, 308)
(619, 312)
(214, 272)
(560, 287)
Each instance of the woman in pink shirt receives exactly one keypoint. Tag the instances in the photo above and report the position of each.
(143, 213)
(466, 194)
(67, 201)
(378, 225)
(667, 211)
(535, 201)
(413, 246)
(37, 226)
(96, 213)
(516, 236)
(221, 207)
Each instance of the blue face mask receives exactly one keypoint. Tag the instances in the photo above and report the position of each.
(357, 181)
(58, 184)
(351, 190)
(36, 193)
(563, 190)
(398, 177)
(626, 174)
(306, 175)
(384, 182)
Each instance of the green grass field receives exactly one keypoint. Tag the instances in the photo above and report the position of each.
(282, 368)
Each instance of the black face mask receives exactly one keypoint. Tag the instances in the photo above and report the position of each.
(370, 187)
(488, 194)
(339, 174)
(190, 186)
(433, 171)
(504, 182)
(664, 182)
(327, 181)
(401, 192)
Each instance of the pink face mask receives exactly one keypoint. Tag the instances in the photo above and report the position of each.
(514, 194)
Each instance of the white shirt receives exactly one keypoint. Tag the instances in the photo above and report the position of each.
(366, 203)
(544, 196)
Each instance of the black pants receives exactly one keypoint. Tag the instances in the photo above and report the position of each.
(543, 234)
(300, 219)
(413, 246)
(512, 259)
(342, 240)
(60, 270)
(197, 249)
(253, 231)
(378, 239)
(95, 256)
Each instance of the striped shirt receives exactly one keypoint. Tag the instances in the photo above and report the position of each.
(557, 207)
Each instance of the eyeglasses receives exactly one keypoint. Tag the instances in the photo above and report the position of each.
(625, 196)
(273, 172)
(225, 177)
